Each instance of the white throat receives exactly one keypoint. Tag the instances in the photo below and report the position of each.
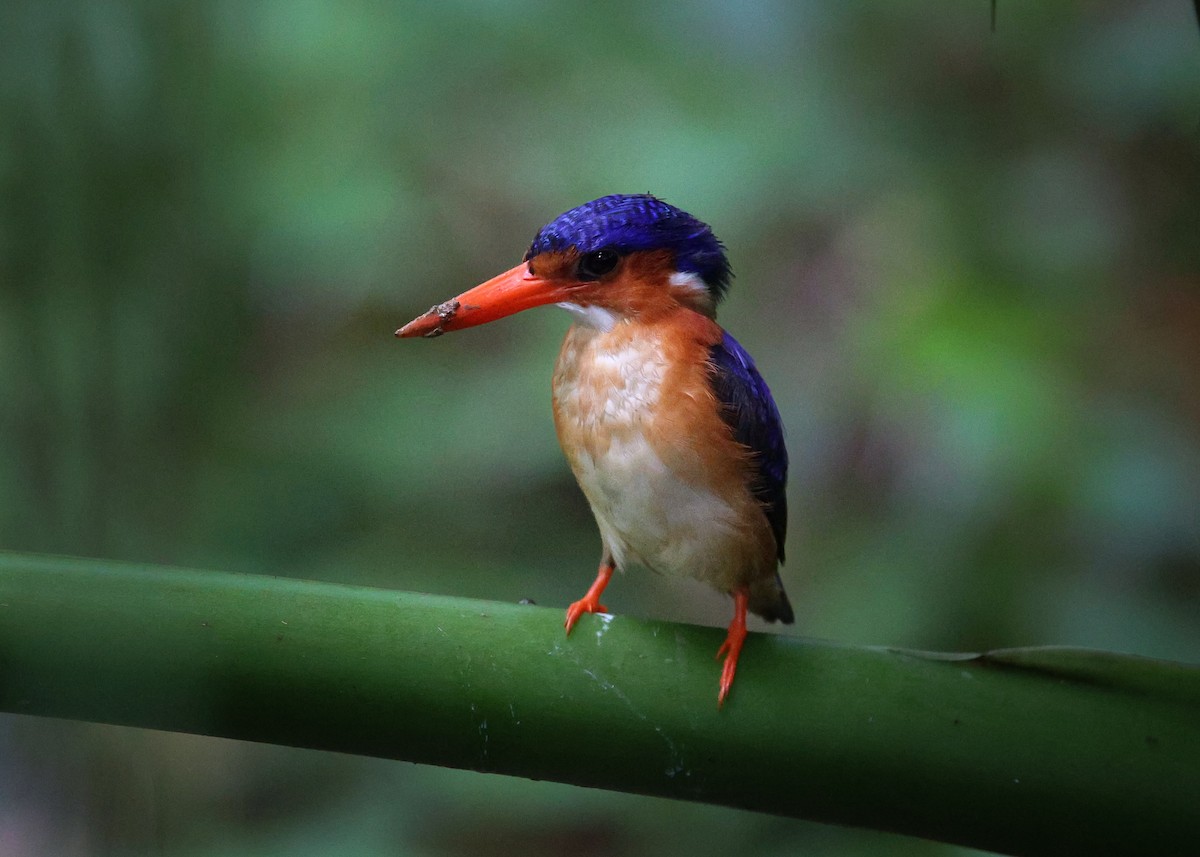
(591, 316)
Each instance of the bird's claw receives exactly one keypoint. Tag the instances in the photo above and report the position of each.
(578, 608)
(732, 647)
(727, 674)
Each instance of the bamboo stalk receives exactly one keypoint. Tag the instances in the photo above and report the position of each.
(1037, 751)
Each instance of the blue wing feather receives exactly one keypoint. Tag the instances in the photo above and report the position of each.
(747, 406)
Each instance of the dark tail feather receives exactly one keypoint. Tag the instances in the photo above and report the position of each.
(768, 600)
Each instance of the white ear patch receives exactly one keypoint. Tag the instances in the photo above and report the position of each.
(591, 316)
(689, 281)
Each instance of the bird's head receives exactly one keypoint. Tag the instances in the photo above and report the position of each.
(614, 258)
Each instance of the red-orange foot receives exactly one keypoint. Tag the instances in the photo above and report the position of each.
(732, 647)
(590, 603)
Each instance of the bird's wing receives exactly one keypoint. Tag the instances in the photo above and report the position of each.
(747, 407)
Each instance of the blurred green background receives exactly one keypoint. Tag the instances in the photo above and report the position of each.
(967, 263)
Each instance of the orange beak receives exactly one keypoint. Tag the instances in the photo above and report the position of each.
(509, 293)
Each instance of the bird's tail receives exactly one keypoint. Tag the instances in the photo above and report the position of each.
(768, 600)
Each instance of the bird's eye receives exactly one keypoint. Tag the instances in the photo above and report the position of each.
(593, 266)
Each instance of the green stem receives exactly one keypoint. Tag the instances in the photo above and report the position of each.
(1028, 751)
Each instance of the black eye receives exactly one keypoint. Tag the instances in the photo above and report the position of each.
(593, 266)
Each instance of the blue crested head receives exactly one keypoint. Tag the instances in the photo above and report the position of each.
(629, 223)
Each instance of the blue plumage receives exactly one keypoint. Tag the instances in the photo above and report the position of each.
(628, 223)
(747, 406)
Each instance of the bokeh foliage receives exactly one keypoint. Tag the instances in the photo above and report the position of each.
(967, 264)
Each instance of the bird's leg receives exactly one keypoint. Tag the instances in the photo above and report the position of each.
(732, 647)
(590, 603)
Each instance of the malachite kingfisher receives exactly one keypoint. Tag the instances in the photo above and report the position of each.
(670, 430)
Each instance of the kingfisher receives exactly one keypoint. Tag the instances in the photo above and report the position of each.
(667, 424)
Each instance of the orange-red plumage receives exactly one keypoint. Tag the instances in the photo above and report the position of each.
(637, 419)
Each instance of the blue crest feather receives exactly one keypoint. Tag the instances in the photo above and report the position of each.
(628, 223)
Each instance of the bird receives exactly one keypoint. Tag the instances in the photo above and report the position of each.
(668, 427)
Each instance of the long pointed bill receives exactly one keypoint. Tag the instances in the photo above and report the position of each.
(506, 294)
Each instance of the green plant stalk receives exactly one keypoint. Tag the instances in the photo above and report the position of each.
(1027, 751)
